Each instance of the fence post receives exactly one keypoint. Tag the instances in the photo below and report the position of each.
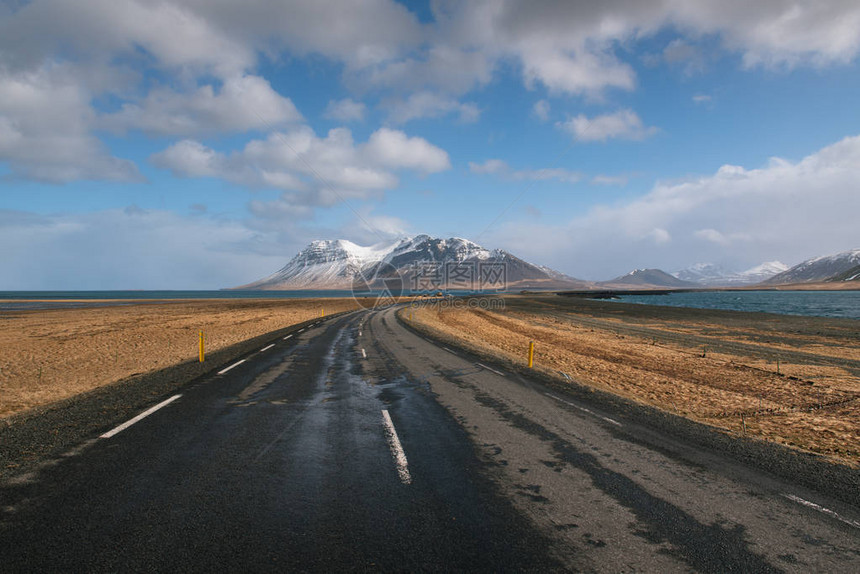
(201, 347)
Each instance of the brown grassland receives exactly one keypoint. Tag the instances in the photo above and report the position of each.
(50, 355)
(792, 380)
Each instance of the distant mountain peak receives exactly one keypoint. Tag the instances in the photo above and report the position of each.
(710, 274)
(647, 278)
(338, 263)
(819, 269)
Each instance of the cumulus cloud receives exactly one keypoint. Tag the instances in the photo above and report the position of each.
(623, 124)
(240, 104)
(394, 149)
(573, 47)
(320, 171)
(208, 52)
(502, 169)
(541, 110)
(681, 53)
(345, 110)
(45, 121)
(429, 105)
(785, 210)
(442, 68)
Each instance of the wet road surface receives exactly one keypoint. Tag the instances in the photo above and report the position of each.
(357, 445)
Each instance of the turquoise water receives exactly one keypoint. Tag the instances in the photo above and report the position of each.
(845, 304)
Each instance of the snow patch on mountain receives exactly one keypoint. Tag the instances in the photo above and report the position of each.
(337, 264)
(821, 268)
(711, 274)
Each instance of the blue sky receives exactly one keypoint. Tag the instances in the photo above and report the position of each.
(199, 145)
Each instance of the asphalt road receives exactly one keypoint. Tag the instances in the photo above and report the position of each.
(357, 445)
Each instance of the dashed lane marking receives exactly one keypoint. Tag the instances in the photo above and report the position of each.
(483, 366)
(396, 449)
(236, 364)
(363, 354)
(583, 409)
(139, 417)
(267, 348)
(821, 509)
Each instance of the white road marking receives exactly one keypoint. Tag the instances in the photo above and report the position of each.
(823, 510)
(565, 375)
(139, 417)
(583, 409)
(300, 330)
(363, 354)
(490, 369)
(396, 449)
(267, 348)
(236, 364)
(359, 333)
(450, 351)
(287, 337)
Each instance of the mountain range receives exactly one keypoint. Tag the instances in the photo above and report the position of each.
(425, 263)
(711, 275)
(843, 266)
(422, 263)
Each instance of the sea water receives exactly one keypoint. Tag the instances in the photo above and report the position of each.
(845, 304)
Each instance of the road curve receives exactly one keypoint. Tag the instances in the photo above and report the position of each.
(358, 445)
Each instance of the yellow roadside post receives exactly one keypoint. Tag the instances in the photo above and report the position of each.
(531, 354)
(201, 346)
(322, 311)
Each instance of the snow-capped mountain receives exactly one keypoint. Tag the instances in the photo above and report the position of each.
(824, 268)
(340, 264)
(708, 274)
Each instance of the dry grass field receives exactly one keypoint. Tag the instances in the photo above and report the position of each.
(795, 381)
(50, 355)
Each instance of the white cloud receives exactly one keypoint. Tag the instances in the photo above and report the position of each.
(345, 110)
(128, 249)
(660, 236)
(429, 105)
(320, 171)
(681, 53)
(492, 166)
(394, 149)
(623, 124)
(442, 68)
(541, 110)
(786, 211)
(77, 53)
(601, 179)
(136, 248)
(701, 98)
(44, 129)
(242, 103)
(502, 169)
